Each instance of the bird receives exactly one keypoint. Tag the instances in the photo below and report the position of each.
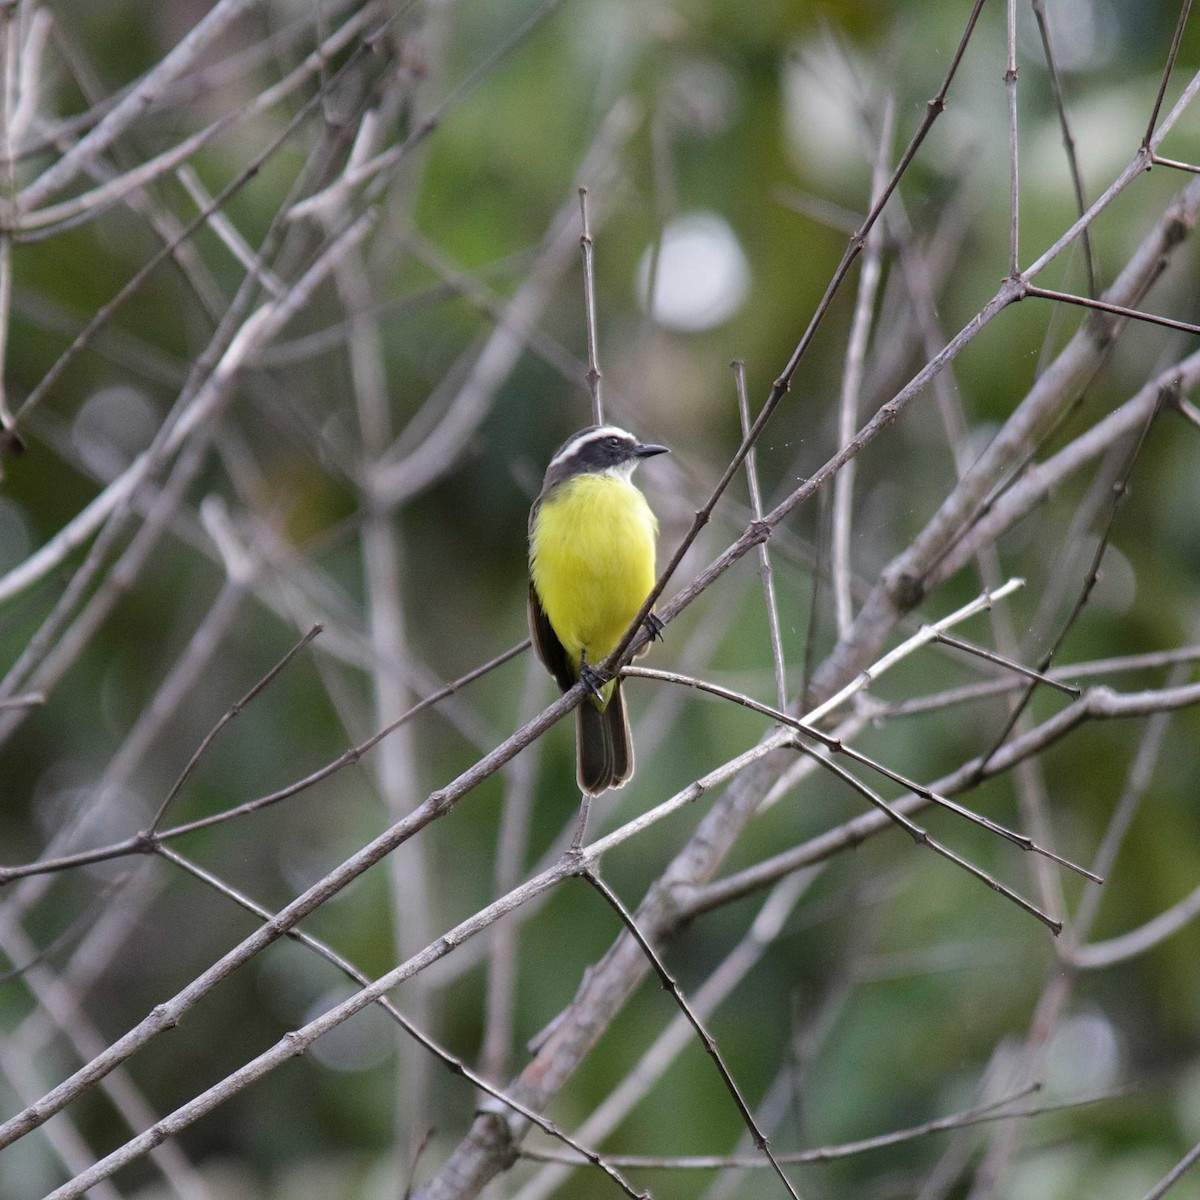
(592, 544)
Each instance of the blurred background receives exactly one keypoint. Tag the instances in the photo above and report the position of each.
(369, 464)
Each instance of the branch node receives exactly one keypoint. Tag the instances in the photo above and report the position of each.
(905, 591)
(163, 1018)
(1174, 232)
(295, 1043)
(145, 841)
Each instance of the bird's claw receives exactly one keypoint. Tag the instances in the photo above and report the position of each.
(592, 679)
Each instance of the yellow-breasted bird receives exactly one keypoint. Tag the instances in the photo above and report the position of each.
(591, 566)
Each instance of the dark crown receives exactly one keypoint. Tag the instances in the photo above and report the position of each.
(592, 450)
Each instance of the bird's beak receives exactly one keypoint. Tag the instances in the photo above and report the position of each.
(649, 449)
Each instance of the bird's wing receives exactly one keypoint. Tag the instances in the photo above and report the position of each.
(545, 642)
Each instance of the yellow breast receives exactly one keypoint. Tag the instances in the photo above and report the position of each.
(592, 561)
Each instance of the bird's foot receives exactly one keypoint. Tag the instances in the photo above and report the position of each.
(654, 627)
(594, 681)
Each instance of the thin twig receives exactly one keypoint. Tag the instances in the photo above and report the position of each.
(922, 838)
(904, 581)
(927, 633)
(838, 746)
(1172, 54)
(375, 169)
(108, 310)
(952, 697)
(10, 57)
(1010, 91)
(1099, 703)
(1138, 941)
(1007, 663)
(1060, 103)
(214, 376)
(405, 472)
(234, 711)
(1119, 492)
(1036, 482)
(588, 250)
(1175, 1174)
(995, 1110)
(121, 116)
(1160, 160)
(512, 847)
(455, 1065)
(710, 1046)
(768, 924)
(783, 383)
(764, 555)
(143, 843)
(1119, 310)
(61, 1019)
(852, 378)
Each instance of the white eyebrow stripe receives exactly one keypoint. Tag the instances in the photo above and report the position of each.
(576, 444)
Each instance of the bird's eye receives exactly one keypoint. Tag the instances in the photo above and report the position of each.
(612, 442)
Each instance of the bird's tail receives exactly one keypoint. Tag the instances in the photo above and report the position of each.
(604, 745)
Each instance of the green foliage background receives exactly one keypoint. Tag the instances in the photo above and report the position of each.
(914, 974)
